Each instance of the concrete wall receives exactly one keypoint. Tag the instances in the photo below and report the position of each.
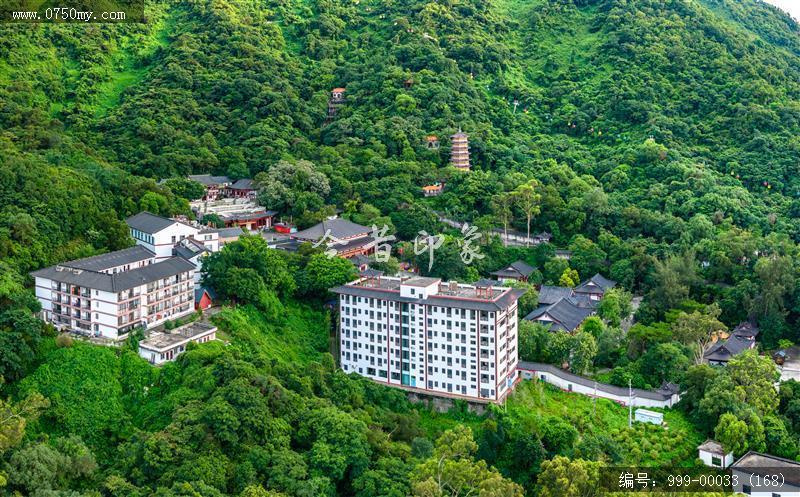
(570, 386)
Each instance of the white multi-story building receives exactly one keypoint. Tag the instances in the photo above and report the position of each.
(110, 294)
(160, 234)
(444, 339)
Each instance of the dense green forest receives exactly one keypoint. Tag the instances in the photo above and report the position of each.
(655, 139)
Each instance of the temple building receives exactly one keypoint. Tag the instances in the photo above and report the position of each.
(459, 151)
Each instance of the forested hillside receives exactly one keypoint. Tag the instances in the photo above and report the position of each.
(661, 138)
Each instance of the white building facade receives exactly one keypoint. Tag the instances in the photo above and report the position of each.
(160, 234)
(444, 339)
(110, 294)
(714, 455)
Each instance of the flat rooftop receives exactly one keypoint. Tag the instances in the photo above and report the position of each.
(165, 340)
(445, 289)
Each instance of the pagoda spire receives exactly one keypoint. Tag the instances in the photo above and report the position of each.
(459, 150)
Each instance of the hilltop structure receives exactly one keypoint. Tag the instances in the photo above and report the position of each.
(459, 151)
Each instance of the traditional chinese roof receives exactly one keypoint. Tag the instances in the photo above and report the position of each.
(360, 260)
(432, 138)
(746, 330)
(596, 284)
(243, 184)
(725, 350)
(338, 90)
(713, 447)
(208, 180)
(563, 315)
(552, 294)
(485, 283)
(515, 270)
(338, 228)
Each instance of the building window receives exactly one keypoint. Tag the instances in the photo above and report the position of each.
(716, 461)
(746, 489)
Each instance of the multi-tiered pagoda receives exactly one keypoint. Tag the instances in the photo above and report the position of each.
(459, 151)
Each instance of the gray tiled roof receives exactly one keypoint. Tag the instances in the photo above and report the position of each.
(565, 315)
(552, 294)
(339, 228)
(371, 273)
(208, 180)
(746, 329)
(515, 269)
(243, 184)
(724, 351)
(149, 223)
(712, 446)
(119, 281)
(230, 232)
(595, 283)
(102, 262)
(360, 259)
(767, 464)
(484, 283)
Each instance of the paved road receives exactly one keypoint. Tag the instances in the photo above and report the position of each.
(791, 367)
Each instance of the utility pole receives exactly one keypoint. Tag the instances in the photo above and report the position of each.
(516, 103)
(630, 404)
(594, 401)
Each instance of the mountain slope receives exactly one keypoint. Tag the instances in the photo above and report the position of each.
(234, 86)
